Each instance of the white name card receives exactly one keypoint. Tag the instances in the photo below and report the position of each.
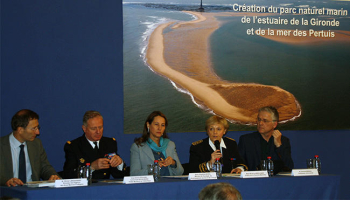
(304, 172)
(254, 174)
(71, 182)
(138, 179)
(202, 176)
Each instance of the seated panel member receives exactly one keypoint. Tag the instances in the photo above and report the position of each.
(91, 148)
(203, 153)
(155, 145)
(21, 164)
(267, 141)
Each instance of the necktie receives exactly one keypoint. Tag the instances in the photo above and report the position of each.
(22, 165)
(96, 148)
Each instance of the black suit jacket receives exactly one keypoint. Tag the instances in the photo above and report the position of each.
(79, 152)
(250, 149)
(200, 154)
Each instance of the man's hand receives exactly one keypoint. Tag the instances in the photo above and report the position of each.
(14, 182)
(54, 177)
(101, 163)
(277, 135)
(115, 161)
(236, 170)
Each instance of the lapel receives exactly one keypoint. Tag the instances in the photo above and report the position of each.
(32, 149)
(168, 152)
(6, 152)
(257, 144)
(272, 149)
(147, 151)
(88, 150)
(225, 151)
(207, 150)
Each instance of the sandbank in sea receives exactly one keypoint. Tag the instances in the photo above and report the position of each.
(182, 54)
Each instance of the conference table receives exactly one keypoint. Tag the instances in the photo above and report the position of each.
(276, 187)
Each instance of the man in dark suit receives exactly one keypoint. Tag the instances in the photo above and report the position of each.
(91, 148)
(22, 143)
(267, 141)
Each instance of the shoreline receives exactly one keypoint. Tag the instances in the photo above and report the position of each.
(175, 58)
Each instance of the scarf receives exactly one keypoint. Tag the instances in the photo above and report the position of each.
(163, 145)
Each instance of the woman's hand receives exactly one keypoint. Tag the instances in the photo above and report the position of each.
(168, 161)
(216, 154)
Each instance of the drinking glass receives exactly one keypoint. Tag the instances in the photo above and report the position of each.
(81, 171)
(310, 163)
(263, 165)
(211, 167)
(150, 169)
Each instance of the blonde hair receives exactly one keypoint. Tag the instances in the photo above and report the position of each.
(216, 120)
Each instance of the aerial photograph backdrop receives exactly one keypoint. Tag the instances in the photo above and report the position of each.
(193, 59)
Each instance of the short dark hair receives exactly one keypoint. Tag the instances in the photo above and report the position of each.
(219, 191)
(22, 118)
(90, 114)
(272, 110)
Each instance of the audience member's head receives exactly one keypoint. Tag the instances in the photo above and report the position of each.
(219, 191)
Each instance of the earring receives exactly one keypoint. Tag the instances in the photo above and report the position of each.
(148, 129)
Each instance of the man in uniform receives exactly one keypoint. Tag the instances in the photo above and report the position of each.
(93, 148)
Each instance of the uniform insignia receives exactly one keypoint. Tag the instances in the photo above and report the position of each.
(243, 165)
(82, 160)
(231, 139)
(68, 142)
(113, 139)
(197, 142)
(203, 167)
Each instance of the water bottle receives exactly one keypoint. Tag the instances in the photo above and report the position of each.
(233, 161)
(270, 166)
(318, 164)
(156, 171)
(217, 168)
(88, 173)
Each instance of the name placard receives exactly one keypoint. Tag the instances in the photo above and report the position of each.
(254, 174)
(304, 172)
(71, 182)
(202, 176)
(138, 179)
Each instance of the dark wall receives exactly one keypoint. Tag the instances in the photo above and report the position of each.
(62, 58)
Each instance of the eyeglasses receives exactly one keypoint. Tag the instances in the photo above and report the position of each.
(264, 120)
(35, 128)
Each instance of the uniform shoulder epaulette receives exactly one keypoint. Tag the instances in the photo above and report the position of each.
(231, 139)
(197, 142)
(113, 139)
(69, 142)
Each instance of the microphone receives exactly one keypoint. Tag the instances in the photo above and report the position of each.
(217, 145)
